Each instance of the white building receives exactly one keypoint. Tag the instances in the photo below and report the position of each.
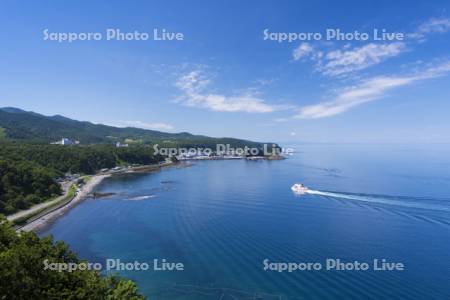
(65, 142)
(120, 145)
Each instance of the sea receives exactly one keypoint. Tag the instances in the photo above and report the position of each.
(374, 225)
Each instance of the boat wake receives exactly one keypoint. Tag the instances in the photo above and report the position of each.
(137, 198)
(398, 201)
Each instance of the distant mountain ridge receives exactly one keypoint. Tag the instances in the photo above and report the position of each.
(27, 126)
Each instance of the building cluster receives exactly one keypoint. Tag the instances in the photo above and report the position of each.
(120, 145)
(66, 142)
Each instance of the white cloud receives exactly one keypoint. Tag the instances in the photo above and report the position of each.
(265, 82)
(192, 82)
(144, 125)
(340, 62)
(347, 60)
(368, 90)
(302, 51)
(193, 85)
(280, 120)
(434, 25)
(306, 50)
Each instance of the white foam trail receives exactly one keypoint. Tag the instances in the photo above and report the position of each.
(379, 200)
(142, 197)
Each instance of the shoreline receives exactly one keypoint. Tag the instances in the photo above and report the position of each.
(84, 192)
(268, 158)
(45, 220)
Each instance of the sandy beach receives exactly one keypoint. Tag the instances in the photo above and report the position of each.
(80, 196)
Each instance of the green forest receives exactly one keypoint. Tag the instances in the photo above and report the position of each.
(22, 267)
(31, 127)
(30, 165)
(28, 172)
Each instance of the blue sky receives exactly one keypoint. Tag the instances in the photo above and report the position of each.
(225, 79)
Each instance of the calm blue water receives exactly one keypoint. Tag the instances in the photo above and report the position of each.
(221, 219)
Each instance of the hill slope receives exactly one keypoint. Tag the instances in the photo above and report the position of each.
(20, 125)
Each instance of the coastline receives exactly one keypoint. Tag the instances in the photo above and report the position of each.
(84, 192)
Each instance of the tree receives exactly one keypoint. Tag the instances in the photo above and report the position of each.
(23, 275)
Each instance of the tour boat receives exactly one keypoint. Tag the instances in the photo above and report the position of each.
(299, 188)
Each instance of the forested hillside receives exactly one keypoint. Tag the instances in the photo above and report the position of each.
(23, 184)
(29, 165)
(78, 159)
(28, 171)
(19, 125)
(24, 276)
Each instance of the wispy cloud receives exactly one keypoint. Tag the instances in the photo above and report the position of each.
(344, 61)
(265, 82)
(434, 25)
(145, 125)
(366, 91)
(280, 120)
(347, 60)
(194, 85)
(340, 62)
(302, 51)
